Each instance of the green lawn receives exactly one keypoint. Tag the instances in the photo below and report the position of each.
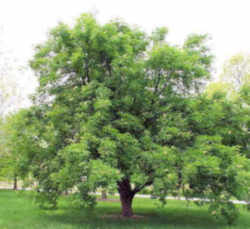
(18, 210)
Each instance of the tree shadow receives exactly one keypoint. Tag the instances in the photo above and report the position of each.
(105, 217)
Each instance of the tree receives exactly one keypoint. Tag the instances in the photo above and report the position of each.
(235, 85)
(11, 128)
(235, 75)
(110, 112)
(236, 71)
(11, 98)
(5, 90)
(12, 95)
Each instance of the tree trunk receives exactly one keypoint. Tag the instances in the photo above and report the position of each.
(126, 202)
(104, 194)
(15, 183)
(126, 198)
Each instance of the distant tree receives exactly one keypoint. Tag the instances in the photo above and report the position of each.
(11, 96)
(245, 94)
(116, 109)
(218, 87)
(236, 71)
(234, 83)
(11, 99)
(235, 76)
(7, 159)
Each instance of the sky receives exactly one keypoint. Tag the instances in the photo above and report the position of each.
(25, 23)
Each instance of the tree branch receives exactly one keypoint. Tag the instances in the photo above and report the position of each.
(139, 188)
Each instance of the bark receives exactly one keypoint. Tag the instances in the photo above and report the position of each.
(126, 198)
(126, 202)
(15, 183)
(104, 195)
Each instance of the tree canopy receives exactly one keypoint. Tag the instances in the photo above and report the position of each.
(120, 109)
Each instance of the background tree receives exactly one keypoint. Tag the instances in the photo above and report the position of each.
(10, 93)
(115, 108)
(11, 99)
(235, 84)
(235, 75)
(236, 71)
(9, 152)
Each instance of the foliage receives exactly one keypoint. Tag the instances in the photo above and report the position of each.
(236, 71)
(10, 139)
(119, 109)
(10, 92)
(10, 100)
(235, 78)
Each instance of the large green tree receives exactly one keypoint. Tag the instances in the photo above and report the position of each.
(116, 109)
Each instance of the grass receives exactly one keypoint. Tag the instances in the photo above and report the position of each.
(18, 211)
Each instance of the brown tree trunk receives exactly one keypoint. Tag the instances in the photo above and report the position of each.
(126, 198)
(126, 202)
(15, 183)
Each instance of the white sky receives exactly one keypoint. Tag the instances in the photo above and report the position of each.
(26, 22)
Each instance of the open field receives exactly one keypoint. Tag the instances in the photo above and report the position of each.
(18, 211)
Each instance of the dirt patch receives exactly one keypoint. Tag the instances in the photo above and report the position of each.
(119, 216)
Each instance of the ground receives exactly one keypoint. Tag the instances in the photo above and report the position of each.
(18, 211)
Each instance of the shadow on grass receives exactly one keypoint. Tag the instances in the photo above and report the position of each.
(104, 216)
(20, 211)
